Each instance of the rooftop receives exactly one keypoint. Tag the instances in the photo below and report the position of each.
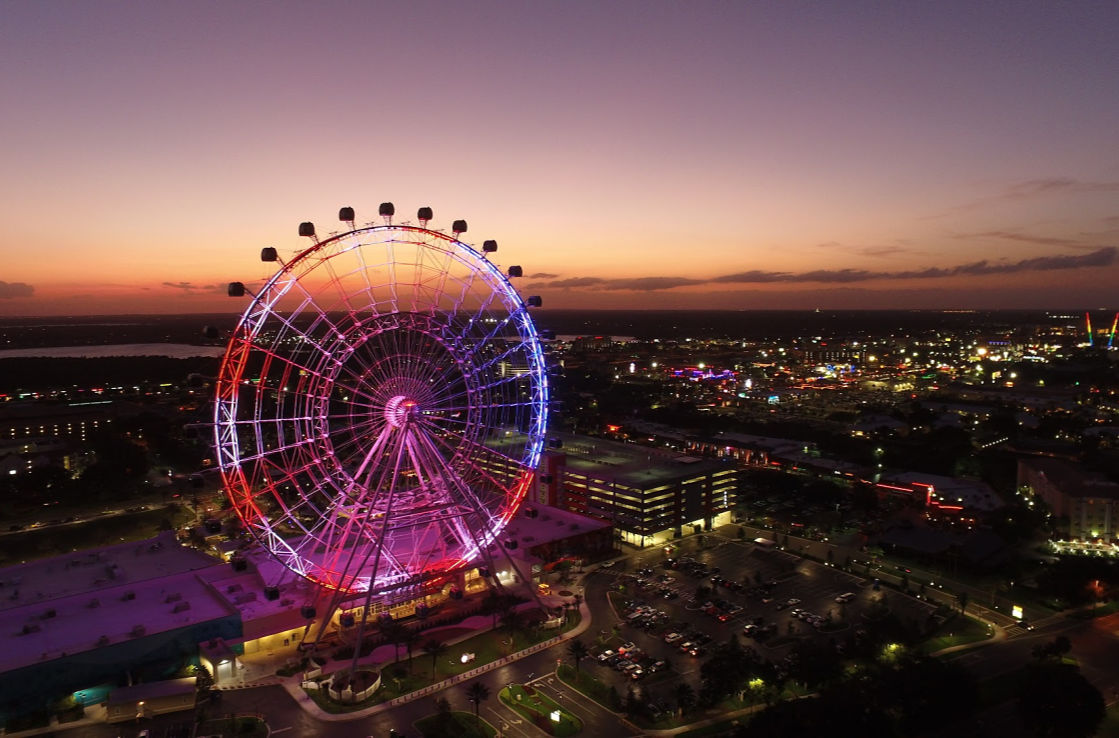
(639, 467)
(79, 602)
(1073, 479)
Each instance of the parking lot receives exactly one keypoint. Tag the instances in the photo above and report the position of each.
(770, 599)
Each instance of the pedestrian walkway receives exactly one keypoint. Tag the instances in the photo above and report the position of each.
(293, 684)
(94, 715)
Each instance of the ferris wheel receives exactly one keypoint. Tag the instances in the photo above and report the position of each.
(381, 406)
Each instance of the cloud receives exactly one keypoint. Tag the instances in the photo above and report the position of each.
(184, 286)
(1099, 257)
(651, 284)
(190, 288)
(1033, 188)
(880, 250)
(571, 282)
(10, 290)
(1022, 237)
(542, 275)
(863, 250)
(753, 276)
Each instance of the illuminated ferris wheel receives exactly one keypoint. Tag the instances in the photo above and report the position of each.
(381, 406)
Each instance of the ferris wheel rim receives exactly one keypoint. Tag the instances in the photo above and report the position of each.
(243, 343)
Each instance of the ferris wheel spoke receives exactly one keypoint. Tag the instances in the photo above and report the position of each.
(336, 281)
(474, 510)
(364, 268)
(251, 458)
(292, 364)
(353, 524)
(451, 477)
(482, 462)
(350, 450)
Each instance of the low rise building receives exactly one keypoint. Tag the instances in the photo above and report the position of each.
(1085, 504)
(648, 494)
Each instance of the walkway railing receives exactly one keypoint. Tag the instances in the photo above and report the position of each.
(466, 675)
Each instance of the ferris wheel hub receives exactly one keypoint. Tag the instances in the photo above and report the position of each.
(401, 410)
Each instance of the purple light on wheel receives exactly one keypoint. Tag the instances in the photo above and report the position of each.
(380, 409)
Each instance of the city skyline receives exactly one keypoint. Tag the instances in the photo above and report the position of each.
(630, 155)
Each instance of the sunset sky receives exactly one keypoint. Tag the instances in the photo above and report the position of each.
(626, 154)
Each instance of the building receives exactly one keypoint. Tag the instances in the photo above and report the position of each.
(86, 620)
(150, 699)
(1085, 504)
(947, 495)
(542, 536)
(648, 494)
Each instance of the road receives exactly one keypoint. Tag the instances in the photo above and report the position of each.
(1095, 644)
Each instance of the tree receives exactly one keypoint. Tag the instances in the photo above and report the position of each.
(1056, 700)
(512, 621)
(812, 663)
(685, 697)
(578, 651)
(443, 710)
(434, 648)
(634, 704)
(563, 568)
(409, 638)
(1054, 649)
(476, 694)
(204, 680)
(394, 633)
(962, 598)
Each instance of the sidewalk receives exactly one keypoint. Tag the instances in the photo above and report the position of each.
(293, 685)
(94, 715)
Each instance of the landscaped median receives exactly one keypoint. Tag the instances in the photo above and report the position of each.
(541, 710)
(457, 724)
(438, 668)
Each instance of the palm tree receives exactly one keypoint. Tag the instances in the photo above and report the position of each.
(685, 697)
(394, 633)
(409, 638)
(511, 619)
(434, 648)
(443, 710)
(578, 651)
(476, 694)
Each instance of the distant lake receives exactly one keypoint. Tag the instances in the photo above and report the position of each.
(170, 350)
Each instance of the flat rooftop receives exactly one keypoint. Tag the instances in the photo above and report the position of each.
(44, 580)
(640, 467)
(550, 524)
(79, 602)
(1073, 479)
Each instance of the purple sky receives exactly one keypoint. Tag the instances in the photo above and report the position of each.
(627, 154)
